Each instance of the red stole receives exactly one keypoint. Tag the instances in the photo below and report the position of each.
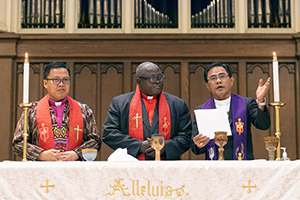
(136, 128)
(44, 125)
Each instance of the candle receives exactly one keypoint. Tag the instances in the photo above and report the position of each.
(275, 78)
(26, 79)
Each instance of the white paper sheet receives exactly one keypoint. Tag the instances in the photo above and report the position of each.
(211, 120)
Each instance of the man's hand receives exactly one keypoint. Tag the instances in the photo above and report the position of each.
(145, 145)
(68, 156)
(201, 140)
(261, 91)
(49, 155)
(150, 152)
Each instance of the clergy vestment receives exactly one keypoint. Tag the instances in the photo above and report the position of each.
(116, 126)
(260, 119)
(85, 133)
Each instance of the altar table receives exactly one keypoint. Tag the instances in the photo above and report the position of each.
(257, 179)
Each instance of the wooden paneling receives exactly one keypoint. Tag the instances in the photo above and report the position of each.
(254, 72)
(288, 119)
(103, 66)
(5, 108)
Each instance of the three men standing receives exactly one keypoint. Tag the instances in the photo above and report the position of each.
(60, 127)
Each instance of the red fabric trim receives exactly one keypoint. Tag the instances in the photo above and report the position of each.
(44, 125)
(75, 124)
(136, 130)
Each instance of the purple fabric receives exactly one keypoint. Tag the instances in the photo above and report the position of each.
(210, 104)
(238, 110)
(58, 110)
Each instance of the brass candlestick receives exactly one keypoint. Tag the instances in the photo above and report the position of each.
(277, 106)
(25, 107)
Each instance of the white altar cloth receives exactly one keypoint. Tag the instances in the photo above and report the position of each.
(150, 180)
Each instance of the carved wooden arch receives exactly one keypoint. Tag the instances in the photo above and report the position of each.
(79, 67)
(117, 66)
(193, 67)
(35, 67)
(174, 66)
(162, 67)
(289, 66)
(263, 66)
(233, 68)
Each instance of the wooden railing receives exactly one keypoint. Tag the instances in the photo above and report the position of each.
(43, 13)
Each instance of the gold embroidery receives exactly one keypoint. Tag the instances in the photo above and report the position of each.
(249, 186)
(137, 120)
(77, 134)
(239, 126)
(47, 186)
(139, 189)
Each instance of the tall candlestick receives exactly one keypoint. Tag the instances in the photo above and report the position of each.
(26, 79)
(275, 78)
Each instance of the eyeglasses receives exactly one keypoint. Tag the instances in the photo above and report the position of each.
(57, 81)
(214, 78)
(154, 80)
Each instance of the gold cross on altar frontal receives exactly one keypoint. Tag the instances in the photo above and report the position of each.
(137, 120)
(77, 129)
(47, 186)
(249, 186)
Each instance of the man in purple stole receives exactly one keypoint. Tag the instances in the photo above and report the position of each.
(242, 111)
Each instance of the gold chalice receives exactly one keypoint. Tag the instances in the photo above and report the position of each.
(271, 143)
(157, 143)
(220, 140)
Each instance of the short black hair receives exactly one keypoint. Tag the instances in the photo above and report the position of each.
(55, 64)
(217, 64)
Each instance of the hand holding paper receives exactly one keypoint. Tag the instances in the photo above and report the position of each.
(201, 140)
(211, 120)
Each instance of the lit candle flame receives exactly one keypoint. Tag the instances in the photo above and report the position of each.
(274, 56)
(26, 58)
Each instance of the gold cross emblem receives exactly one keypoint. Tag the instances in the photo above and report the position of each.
(47, 186)
(137, 120)
(249, 186)
(77, 129)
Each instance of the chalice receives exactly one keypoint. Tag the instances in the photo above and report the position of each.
(271, 143)
(157, 143)
(220, 140)
(89, 154)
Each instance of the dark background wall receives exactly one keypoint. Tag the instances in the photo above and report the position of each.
(103, 66)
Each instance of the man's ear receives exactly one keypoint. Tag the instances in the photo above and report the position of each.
(206, 84)
(44, 82)
(232, 80)
(138, 81)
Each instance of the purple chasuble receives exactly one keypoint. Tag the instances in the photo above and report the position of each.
(239, 120)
